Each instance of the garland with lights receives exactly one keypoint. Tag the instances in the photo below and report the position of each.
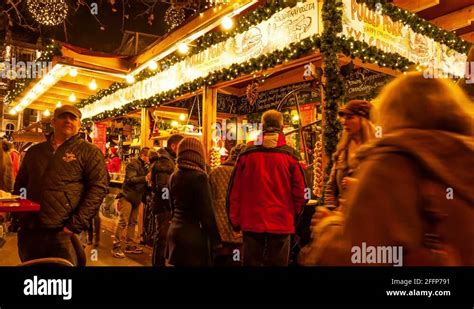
(20, 85)
(294, 51)
(418, 24)
(254, 18)
(334, 87)
(366, 53)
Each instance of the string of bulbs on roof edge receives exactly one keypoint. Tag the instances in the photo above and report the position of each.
(182, 47)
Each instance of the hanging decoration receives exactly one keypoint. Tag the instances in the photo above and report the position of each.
(318, 168)
(48, 12)
(175, 16)
(252, 92)
(215, 157)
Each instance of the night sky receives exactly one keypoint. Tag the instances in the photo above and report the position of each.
(84, 31)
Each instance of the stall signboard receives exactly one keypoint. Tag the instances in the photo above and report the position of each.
(279, 31)
(100, 136)
(365, 84)
(271, 99)
(375, 29)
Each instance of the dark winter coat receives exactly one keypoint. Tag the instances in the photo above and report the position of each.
(134, 185)
(267, 188)
(161, 171)
(193, 232)
(6, 175)
(69, 184)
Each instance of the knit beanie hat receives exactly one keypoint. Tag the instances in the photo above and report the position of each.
(191, 155)
(356, 107)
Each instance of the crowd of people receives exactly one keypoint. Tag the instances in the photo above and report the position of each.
(401, 176)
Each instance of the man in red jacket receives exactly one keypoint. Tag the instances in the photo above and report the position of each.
(266, 192)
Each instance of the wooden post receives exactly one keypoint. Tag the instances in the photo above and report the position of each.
(145, 129)
(209, 118)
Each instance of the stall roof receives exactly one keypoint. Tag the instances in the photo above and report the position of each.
(452, 15)
(105, 69)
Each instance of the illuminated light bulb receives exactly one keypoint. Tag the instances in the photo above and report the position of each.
(17, 108)
(72, 97)
(174, 123)
(130, 79)
(182, 117)
(93, 85)
(227, 23)
(12, 112)
(49, 79)
(153, 65)
(295, 118)
(46, 113)
(59, 104)
(183, 48)
(73, 72)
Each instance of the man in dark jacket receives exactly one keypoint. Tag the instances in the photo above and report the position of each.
(266, 192)
(161, 171)
(133, 193)
(66, 175)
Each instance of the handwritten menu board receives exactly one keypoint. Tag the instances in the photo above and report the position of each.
(365, 84)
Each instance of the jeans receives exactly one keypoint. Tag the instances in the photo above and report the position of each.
(162, 224)
(43, 244)
(266, 249)
(128, 220)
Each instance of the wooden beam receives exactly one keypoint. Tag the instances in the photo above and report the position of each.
(84, 81)
(76, 87)
(415, 5)
(373, 67)
(468, 37)
(209, 119)
(315, 56)
(115, 63)
(232, 91)
(456, 20)
(52, 92)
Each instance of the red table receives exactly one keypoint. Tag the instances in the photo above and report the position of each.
(20, 205)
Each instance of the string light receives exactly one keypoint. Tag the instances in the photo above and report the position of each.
(48, 12)
(153, 65)
(93, 85)
(72, 97)
(183, 48)
(227, 23)
(59, 104)
(46, 113)
(73, 72)
(130, 79)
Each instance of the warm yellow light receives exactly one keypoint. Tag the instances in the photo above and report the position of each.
(174, 123)
(73, 72)
(153, 65)
(72, 97)
(46, 113)
(182, 117)
(130, 79)
(227, 23)
(17, 108)
(93, 85)
(183, 48)
(59, 104)
(295, 118)
(12, 111)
